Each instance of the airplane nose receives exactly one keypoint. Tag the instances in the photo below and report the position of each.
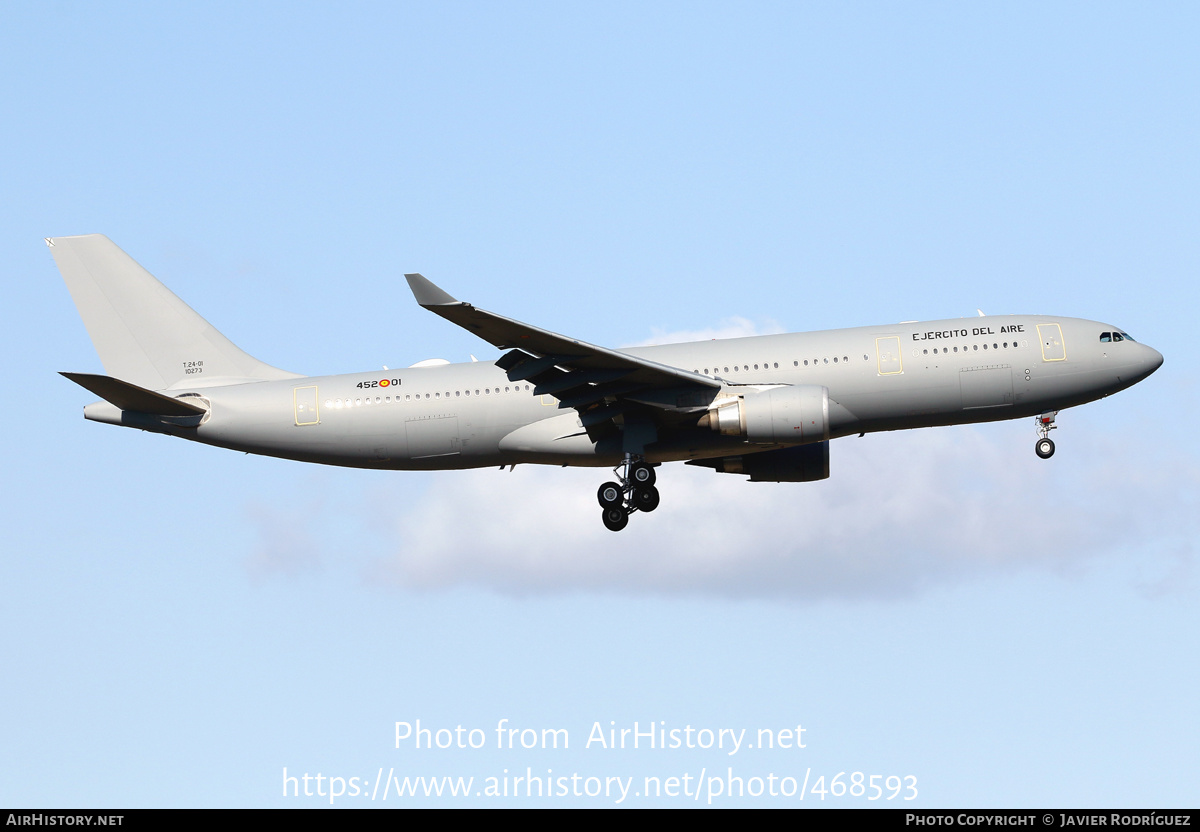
(1151, 360)
(1154, 360)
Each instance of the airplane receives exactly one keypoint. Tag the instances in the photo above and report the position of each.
(765, 407)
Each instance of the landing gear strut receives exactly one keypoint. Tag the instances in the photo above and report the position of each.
(1045, 423)
(634, 492)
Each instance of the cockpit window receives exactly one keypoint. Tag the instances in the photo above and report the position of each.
(1127, 336)
(1105, 337)
(1117, 337)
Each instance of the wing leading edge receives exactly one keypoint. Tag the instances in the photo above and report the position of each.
(598, 382)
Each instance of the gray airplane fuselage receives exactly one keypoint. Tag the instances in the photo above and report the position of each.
(472, 415)
(765, 407)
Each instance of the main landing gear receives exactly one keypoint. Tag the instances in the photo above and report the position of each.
(635, 492)
(1045, 423)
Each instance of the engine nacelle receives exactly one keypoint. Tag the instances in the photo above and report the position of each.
(781, 415)
(803, 463)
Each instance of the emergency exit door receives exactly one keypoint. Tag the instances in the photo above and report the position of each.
(887, 354)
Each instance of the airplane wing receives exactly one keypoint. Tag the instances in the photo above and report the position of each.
(597, 381)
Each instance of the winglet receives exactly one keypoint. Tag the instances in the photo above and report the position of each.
(426, 293)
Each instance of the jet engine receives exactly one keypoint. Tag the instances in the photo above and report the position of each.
(793, 415)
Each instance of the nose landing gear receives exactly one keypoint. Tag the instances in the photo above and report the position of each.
(635, 492)
(1044, 447)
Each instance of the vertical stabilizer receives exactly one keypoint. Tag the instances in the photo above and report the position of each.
(144, 334)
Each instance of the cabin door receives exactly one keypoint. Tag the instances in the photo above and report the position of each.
(304, 403)
(1053, 347)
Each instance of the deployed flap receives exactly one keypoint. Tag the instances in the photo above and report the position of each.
(131, 397)
(624, 373)
(142, 331)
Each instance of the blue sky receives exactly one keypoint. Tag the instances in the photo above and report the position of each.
(181, 623)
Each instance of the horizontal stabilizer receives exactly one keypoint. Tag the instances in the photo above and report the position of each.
(131, 397)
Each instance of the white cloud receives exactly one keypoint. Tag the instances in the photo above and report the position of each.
(899, 512)
(735, 327)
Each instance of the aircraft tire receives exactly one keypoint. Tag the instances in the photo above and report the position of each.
(615, 518)
(642, 474)
(1044, 448)
(645, 498)
(610, 494)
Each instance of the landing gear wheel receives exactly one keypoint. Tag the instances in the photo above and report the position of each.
(1045, 424)
(615, 518)
(645, 498)
(641, 474)
(610, 494)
